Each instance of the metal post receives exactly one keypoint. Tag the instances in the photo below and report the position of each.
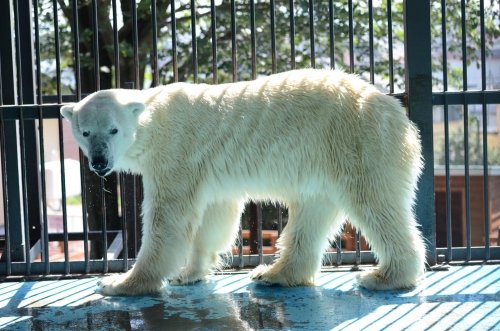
(9, 95)
(419, 91)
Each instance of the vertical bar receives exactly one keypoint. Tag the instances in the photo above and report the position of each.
(280, 220)
(466, 131)
(194, 43)
(104, 226)
(61, 137)
(76, 50)
(351, 36)
(95, 34)
(259, 232)
(174, 40)
(331, 17)
(10, 135)
(487, 250)
(449, 232)
(154, 26)
(22, 141)
(213, 26)
(311, 33)
(95, 45)
(339, 249)
(233, 41)
(240, 246)
(45, 225)
(419, 90)
(116, 45)
(389, 43)
(370, 36)
(135, 43)
(8, 257)
(292, 33)
(85, 220)
(357, 246)
(124, 222)
(272, 9)
(253, 39)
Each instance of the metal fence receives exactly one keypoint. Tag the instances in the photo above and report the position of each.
(52, 52)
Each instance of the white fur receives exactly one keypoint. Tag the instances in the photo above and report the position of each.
(324, 143)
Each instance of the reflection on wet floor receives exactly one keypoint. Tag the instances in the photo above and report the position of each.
(461, 298)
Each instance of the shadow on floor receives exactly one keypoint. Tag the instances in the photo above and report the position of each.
(462, 298)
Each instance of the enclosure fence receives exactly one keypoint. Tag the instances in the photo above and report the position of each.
(57, 217)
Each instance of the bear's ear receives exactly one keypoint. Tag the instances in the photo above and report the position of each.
(136, 108)
(67, 111)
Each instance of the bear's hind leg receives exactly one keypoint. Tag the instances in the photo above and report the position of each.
(302, 244)
(392, 233)
(215, 235)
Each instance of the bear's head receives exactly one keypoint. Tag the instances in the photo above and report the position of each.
(104, 125)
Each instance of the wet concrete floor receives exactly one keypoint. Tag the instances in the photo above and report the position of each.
(462, 298)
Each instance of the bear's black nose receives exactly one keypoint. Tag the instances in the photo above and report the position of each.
(99, 163)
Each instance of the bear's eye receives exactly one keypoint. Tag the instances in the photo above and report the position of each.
(113, 131)
(86, 133)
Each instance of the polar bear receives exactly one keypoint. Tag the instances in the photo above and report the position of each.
(324, 143)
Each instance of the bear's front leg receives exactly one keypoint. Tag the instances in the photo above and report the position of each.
(166, 241)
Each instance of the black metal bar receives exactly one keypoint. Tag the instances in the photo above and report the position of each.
(174, 41)
(449, 232)
(331, 16)
(259, 232)
(487, 251)
(466, 132)
(76, 50)
(370, 37)
(418, 79)
(9, 135)
(357, 246)
(45, 225)
(292, 33)
(280, 219)
(472, 97)
(116, 45)
(240, 246)
(253, 40)
(85, 220)
(233, 41)
(338, 241)
(124, 221)
(194, 42)
(389, 43)
(154, 27)
(311, 33)
(104, 224)
(351, 36)
(61, 137)
(22, 141)
(5, 200)
(272, 13)
(135, 43)
(213, 27)
(95, 44)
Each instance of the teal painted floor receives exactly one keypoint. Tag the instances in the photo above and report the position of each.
(462, 298)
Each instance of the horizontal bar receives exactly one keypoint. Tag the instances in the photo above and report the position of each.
(470, 97)
(253, 260)
(76, 267)
(30, 112)
(477, 253)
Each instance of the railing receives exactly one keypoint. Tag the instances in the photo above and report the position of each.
(156, 42)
